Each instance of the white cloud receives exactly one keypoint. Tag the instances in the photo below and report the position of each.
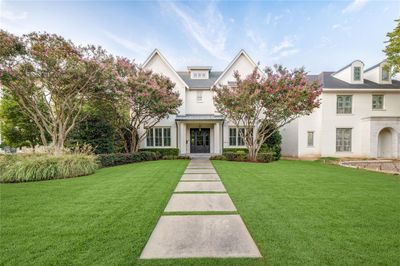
(129, 44)
(256, 38)
(354, 6)
(207, 28)
(285, 44)
(342, 27)
(13, 16)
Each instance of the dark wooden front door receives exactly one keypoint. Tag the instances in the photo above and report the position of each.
(200, 140)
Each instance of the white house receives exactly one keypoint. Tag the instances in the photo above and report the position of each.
(359, 115)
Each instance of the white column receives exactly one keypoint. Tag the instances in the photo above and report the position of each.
(182, 138)
(217, 138)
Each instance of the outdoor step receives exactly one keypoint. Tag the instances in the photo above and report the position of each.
(196, 236)
(199, 177)
(200, 187)
(200, 202)
(200, 171)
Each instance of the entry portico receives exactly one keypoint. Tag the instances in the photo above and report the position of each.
(199, 133)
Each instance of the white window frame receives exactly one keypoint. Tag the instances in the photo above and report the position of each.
(313, 136)
(343, 107)
(354, 73)
(199, 96)
(153, 130)
(342, 140)
(388, 75)
(237, 136)
(383, 102)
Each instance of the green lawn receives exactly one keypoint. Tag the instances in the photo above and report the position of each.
(308, 213)
(105, 218)
(297, 212)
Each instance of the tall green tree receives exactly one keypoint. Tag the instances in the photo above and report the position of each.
(42, 68)
(392, 49)
(94, 129)
(18, 129)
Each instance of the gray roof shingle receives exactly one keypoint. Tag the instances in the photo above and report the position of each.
(328, 81)
(199, 83)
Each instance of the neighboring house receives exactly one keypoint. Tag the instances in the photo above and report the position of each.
(360, 111)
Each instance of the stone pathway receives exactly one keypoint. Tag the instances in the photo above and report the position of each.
(200, 236)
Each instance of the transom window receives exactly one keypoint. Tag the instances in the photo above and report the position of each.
(377, 102)
(385, 75)
(357, 73)
(310, 138)
(158, 137)
(235, 136)
(344, 104)
(343, 139)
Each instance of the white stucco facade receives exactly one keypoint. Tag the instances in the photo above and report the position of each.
(374, 132)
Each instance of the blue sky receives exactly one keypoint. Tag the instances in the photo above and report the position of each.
(320, 35)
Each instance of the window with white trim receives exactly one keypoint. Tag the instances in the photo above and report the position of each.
(158, 137)
(310, 138)
(343, 139)
(377, 102)
(385, 75)
(357, 73)
(344, 104)
(199, 96)
(236, 136)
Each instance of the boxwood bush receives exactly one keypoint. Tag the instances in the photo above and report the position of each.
(113, 159)
(163, 151)
(23, 168)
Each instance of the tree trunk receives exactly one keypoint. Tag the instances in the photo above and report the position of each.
(134, 141)
(252, 153)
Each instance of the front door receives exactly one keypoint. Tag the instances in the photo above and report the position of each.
(200, 140)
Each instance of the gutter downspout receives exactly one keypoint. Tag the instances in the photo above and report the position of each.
(177, 132)
(222, 141)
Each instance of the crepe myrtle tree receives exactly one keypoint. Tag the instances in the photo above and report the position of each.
(144, 99)
(52, 79)
(261, 102)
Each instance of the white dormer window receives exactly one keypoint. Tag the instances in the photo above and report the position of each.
(357, 73)
(385, 75)
(199, 74)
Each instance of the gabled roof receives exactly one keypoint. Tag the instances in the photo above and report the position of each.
(157, 52)
(241, 52)
(346, 66)
(374, 66)
(200, 83)
(330, 82)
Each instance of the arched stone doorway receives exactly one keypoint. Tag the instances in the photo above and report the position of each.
(385, 143)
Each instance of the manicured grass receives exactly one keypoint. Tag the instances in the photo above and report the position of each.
(101, 219)
(309, 213)
(303, 213)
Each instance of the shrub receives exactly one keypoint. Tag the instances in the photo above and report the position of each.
(241, 155)
(230, 156)
(17, 168)
(163, 151)
(265, 157)
(173, 157)
(234, 150)
(218, 157)
(113, 159)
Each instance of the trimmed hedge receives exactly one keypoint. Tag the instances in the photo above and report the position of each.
(18, 168)
(113, 159)
(163, 151)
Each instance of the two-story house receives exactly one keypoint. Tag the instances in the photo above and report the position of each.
(359, 115)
